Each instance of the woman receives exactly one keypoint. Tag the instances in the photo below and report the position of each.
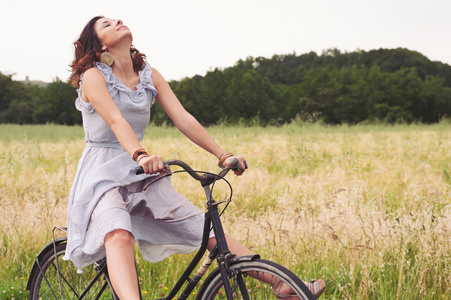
(108, 210)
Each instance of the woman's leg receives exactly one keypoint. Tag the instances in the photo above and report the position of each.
(120, 246)
(234, 246)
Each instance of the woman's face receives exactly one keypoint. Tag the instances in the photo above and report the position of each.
(111, 32)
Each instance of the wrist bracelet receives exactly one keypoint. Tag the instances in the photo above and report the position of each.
(142, 156)
(225, 153)
(222, 158)
(138, 153)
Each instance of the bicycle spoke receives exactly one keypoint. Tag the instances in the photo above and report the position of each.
(65, 280)
(46, 280)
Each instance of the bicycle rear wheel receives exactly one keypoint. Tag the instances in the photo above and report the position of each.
(46, 284)
(245, 280)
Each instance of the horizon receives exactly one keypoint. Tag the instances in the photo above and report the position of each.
(38, 82)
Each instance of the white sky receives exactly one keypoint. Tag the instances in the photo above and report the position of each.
(182, 38)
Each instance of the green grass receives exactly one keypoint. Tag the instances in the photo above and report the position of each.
(366, 208)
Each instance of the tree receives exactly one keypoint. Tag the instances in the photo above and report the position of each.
(17, 101)
(389, 85)
(56, 105)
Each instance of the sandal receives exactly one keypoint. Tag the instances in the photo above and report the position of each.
(316, 287)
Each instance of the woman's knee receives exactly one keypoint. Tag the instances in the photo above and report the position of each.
(119, 237)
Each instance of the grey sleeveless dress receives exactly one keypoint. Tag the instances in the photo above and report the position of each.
(107, 195)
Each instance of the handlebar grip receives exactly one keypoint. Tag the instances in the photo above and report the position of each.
(236, 167)
(139, 171)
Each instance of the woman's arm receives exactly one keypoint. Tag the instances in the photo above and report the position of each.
(184, 121)
(95, 91)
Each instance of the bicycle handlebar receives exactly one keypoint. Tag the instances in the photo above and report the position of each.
(206, 177)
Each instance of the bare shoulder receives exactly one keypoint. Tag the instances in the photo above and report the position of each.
(93, 74)
(155, 71)
(157, 78)
(94, 85)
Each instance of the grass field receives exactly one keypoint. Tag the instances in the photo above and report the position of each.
(367, 208)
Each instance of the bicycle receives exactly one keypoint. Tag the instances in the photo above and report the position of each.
(235, 277)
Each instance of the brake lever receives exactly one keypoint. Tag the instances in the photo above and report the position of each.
(238, 168)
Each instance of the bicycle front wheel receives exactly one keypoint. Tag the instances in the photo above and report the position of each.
(255, 279)
(48, 283)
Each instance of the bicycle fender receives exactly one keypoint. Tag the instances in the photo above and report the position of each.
(245, 258)
(216, 271)
(233, 261)
(45, 249)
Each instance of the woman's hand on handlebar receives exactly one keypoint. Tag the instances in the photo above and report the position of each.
(151, 164)
(237, 163)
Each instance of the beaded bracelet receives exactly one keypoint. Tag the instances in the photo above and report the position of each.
(225, 153)
(222, 158)
(138, 153)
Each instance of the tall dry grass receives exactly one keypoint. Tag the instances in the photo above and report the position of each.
(366, 208)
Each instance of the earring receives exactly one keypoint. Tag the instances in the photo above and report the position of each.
(132, 51)
(106, 58)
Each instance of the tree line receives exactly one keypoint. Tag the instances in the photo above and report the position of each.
(384, 85)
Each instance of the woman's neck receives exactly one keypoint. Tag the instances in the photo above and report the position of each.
(123, 64)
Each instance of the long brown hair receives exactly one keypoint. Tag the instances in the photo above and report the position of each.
(87, 52)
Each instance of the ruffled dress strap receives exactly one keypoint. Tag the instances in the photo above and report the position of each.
(80, 104)
(115, 86)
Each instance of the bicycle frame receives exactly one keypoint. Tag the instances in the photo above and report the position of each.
(221, 251)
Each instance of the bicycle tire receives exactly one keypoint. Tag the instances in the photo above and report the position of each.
(45, 283)
(212, 288)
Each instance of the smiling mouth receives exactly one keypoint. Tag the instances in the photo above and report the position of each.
(122, 27)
